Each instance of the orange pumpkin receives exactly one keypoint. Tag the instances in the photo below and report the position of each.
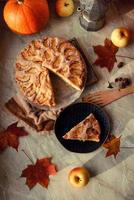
(26, 16)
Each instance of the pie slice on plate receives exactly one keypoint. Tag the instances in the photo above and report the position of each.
(86, 130)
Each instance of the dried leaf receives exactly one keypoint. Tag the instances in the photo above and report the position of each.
(106, 54)
(113, 145)
(10, 136)
(39, 173)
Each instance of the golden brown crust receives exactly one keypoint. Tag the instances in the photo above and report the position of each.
(86, 130)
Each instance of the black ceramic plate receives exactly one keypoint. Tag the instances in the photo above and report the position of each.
(74, 114)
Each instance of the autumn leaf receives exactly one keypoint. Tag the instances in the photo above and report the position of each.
(10, 136)
(106, 54)
(113, 145)
(39, 172)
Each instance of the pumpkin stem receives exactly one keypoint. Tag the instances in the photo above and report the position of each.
(20, 1)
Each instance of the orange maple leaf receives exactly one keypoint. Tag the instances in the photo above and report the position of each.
(113, 145)
(10, 136)
(106, 54)
(39, 172)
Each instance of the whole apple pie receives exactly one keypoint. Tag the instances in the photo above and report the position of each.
(41, 56)
(86, 130)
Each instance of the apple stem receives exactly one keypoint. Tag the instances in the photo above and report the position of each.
(125, 57)
(27, 156)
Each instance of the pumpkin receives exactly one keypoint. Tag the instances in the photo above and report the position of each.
(26, 16)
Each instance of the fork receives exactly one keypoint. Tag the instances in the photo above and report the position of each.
(106, 97)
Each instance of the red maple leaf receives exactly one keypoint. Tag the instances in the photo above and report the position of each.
(10, 136)
(113, 145)
(106, 54)
(39, 172)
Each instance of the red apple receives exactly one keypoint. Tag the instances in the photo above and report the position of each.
(79, 177)
(64, 8)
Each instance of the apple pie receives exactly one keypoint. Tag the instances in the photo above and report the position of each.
(86, 130)
(41, 56)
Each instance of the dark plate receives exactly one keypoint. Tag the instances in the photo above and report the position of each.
(74, 114)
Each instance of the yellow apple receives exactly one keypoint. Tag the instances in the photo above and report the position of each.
(79, 177)
(64, 8)
(120, 37)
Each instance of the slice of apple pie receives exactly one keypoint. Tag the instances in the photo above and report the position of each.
(86, 130)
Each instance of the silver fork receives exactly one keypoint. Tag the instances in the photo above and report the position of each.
(106, 97)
